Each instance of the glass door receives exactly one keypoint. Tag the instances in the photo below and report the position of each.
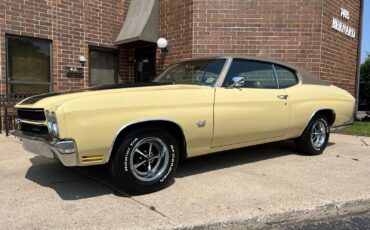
(145, 70)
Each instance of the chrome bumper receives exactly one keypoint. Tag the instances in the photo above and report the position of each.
(64, 150)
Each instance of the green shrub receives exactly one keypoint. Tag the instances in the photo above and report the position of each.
(365, 80)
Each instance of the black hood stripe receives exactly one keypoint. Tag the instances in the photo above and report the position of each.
(34, 99)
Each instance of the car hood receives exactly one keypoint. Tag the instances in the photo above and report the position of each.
(56, 99)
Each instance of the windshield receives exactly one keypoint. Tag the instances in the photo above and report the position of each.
(199, 72)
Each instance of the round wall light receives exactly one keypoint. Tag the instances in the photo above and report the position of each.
(162, 43)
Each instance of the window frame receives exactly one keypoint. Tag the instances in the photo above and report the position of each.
(265, 62)
(109, 50)
(221, 76)
(252, 60)
(10, 82)
(294, 72)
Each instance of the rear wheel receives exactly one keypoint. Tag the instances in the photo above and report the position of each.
(315, 137)
(145, 161)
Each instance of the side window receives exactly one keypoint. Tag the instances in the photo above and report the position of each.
(286, 77)
(201, 72)
(256, 74)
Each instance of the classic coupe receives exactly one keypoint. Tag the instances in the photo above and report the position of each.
(195, 107)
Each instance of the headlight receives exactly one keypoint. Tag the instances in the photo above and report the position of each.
(51, 120)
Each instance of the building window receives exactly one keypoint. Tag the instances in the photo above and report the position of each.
(103, 66)
(28, 65)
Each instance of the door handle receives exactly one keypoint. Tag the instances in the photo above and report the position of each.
(283, 97)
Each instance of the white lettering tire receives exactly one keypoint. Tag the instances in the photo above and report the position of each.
(145, 161)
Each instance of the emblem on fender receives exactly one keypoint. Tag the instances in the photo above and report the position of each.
(201, 124)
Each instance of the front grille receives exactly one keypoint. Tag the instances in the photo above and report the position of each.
(37, 129)
(31, 114)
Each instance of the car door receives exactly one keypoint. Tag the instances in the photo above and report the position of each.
(257, 109)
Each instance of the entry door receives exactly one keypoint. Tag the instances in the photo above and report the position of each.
(145, 70)
(255, 110)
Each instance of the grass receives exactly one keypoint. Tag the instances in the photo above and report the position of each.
(358, 128)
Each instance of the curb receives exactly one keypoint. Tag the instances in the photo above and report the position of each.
(327, 211)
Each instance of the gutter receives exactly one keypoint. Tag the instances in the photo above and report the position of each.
(359, 47)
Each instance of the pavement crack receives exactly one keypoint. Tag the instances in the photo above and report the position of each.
(122, 193)
(151, 208)
(364, 142)
(336, 208)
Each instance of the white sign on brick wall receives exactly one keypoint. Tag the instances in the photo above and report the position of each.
(341, 26)
(344, 13)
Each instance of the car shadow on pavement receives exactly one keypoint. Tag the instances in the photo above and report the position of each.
(68, 183)
(86, 182)
(231, 158)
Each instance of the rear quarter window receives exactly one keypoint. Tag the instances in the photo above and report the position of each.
(286, 77)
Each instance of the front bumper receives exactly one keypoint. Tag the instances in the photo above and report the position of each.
(50, 147)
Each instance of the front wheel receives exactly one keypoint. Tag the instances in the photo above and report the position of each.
(145, 161)
(315, 137)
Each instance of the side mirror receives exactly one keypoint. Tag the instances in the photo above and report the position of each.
(237, 82)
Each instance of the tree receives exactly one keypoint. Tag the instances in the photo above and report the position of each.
(365, 80)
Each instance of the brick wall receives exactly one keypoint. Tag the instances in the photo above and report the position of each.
(176, 25)
(295, 31)
(126, 65)
(283, 30)
(339, 52)
(71, 25)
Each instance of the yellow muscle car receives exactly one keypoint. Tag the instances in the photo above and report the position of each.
(199, 106)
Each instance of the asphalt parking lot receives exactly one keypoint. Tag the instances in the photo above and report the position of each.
(251, 187)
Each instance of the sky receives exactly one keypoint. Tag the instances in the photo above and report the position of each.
(366, 31)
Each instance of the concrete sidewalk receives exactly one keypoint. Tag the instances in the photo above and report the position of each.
(253, 187)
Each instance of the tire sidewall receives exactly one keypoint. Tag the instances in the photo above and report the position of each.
(309, 144)
(122, 172)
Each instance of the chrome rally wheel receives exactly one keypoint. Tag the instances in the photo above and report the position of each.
(149, 158)
(145, 160)
(315, 137)
(318, 134)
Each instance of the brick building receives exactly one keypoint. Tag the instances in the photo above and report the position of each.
(55, 45)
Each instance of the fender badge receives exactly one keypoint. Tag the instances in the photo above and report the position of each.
(201, 124)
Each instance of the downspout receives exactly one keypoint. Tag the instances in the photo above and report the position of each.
(359, 57)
